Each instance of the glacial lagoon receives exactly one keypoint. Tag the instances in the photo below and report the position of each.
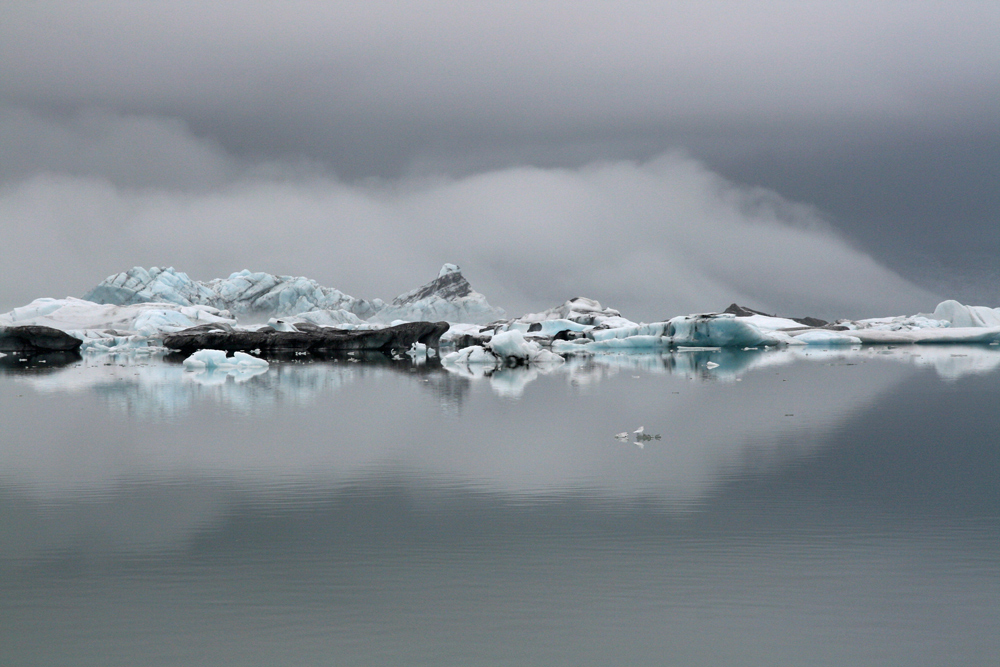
(801, 507)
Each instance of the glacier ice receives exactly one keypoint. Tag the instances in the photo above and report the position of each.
(580, 310)
(448, 298)
(243, 293)
(77, 314)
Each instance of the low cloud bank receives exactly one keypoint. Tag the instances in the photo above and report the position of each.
(657, 238)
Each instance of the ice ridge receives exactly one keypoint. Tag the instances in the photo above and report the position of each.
(449, 297)
(242, 293)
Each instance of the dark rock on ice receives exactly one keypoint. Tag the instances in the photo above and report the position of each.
(318, 340)
(448, 297)
(811, 322)
(450, 284)
(33, 338)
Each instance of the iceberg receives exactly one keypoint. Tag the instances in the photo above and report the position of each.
(208, 359)
(449, 297)
(579, 310)
(243, 293)
(958, 315)
(702, 330)
(109, 328)
(71, 314)
(504, 349)
(951, 323)
(512, 346)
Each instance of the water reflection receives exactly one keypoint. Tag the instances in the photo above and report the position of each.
(106, 420)
(299, 381)
(802, 507)
(28, 362)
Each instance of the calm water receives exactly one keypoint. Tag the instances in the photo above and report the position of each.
(799, 508)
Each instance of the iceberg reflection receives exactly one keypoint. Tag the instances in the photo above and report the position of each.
(82, 443)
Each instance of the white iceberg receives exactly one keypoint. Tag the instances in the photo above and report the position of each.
(507, 348)
(75, 314)
(958, 315)
(209, 359)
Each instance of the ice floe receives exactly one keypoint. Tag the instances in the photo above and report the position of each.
(208, 359)
(819, 337)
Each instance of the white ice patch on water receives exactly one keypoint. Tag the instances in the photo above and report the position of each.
(208, 359)
(821, 337)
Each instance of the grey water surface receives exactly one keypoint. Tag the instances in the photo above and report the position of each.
(801, 507)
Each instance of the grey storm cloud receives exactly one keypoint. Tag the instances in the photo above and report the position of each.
(319, 77)
(647, 154)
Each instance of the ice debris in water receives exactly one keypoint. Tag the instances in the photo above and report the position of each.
(641, 437)
(507, 348)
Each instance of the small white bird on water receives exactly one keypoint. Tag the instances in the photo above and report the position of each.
(621, 436)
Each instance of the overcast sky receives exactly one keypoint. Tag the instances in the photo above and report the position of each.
(825, 158)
